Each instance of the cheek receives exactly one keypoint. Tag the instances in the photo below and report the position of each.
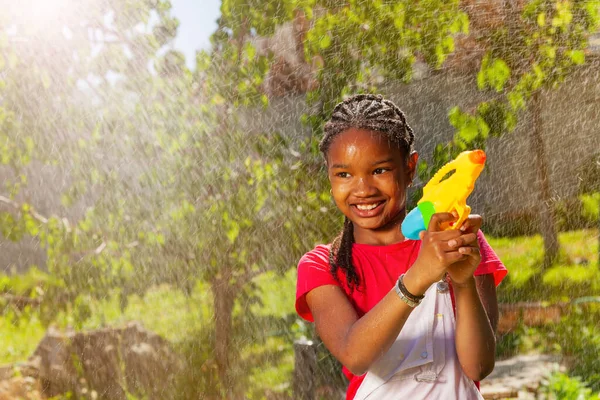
(337, 194)
(399, 193)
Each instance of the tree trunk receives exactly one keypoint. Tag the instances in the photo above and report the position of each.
(223, 300)
(547, 216)
(305, 367)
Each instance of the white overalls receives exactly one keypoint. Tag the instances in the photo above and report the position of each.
(422, 363)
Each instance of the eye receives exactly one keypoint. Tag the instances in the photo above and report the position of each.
(380, 171)
(342, 175)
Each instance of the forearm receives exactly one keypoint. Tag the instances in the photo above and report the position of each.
(475, 338)
(381, 325)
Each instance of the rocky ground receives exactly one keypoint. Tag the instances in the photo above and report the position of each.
(519, 377)
(516, 378)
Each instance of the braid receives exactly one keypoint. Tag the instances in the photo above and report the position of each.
(374, 113)
(340, 255)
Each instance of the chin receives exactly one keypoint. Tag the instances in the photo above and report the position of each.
(371, 225)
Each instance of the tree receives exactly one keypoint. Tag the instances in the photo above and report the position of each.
(181, 191)
(171, 199)
(359, 46)
(550, 38)
(525, 47)
(63, 80)
(589, 175)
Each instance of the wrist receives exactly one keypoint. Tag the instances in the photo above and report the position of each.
(469, 283)
(414, 284)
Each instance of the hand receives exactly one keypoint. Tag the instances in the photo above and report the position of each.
(468, 246)
(439, 250)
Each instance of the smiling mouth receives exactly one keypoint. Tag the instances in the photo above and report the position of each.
(368, 207)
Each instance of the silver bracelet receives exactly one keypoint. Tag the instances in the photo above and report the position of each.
(411, 303)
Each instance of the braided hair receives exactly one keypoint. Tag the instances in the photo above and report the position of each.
(374, 113)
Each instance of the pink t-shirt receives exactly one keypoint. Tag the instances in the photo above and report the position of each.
(378, 268)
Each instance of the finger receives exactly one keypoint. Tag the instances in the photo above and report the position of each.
(462, 240)
(472, 223)
(438, 219)
(454, 256)
(470, 251)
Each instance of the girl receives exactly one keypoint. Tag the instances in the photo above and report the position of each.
(407, 319)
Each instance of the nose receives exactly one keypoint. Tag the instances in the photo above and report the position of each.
(364, 187)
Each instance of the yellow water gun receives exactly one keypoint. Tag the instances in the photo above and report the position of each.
(446, 194)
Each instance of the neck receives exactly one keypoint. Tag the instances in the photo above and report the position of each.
(390, 233)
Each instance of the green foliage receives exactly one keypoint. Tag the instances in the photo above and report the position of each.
(494, 74)
(172, 168)
(20, 333)
(574, 213)
(511, 343)
(28, 284)
(569, 279)
(562, 386)
(553, 51)
(577, 213)
(591, 206)
(535, 48)
(357, 44)
(577, 338)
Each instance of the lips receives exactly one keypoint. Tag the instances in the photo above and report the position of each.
(366, 210)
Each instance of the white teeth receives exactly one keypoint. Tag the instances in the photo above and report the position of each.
(366, 207)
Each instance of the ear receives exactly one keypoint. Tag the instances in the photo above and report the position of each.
(413, 158)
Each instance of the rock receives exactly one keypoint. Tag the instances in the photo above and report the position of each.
(519, 377)
(110, 361)
(23, 388)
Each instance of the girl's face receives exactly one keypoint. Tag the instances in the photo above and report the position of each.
(368, 180)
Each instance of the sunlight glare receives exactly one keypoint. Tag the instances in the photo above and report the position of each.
(41, 15)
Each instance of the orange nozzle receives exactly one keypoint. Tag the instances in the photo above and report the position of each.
(477, 157)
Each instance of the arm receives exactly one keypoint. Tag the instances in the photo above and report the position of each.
(476, 320)
(343, 333)
(358, 342)
(476, 307)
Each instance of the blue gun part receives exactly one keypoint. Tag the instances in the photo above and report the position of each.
(417, 220)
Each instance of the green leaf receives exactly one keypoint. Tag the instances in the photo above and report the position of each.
(325, 42)
(250, 51)
(233, 232)
(577, 56)
(494, 73)
(541, 19)
(516, 100)
(469, 131)
(448, 43)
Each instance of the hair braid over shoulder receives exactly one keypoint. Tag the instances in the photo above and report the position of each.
(374, 113)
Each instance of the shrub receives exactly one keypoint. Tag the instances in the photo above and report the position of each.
(578, 338)
(563, 387)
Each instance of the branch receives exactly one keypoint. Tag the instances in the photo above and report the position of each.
(19, 208)
(20, 302)
(80, 255)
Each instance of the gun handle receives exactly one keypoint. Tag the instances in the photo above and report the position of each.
(463, 214)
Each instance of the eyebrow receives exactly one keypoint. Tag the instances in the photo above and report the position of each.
(383, 161)
(345, 166)
(342, 166)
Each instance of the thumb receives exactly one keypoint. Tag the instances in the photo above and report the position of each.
(421, 235)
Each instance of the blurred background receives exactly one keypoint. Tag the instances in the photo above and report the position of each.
(161, 179)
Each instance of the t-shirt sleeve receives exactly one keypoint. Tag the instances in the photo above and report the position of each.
(490, 263)
(313, 271)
